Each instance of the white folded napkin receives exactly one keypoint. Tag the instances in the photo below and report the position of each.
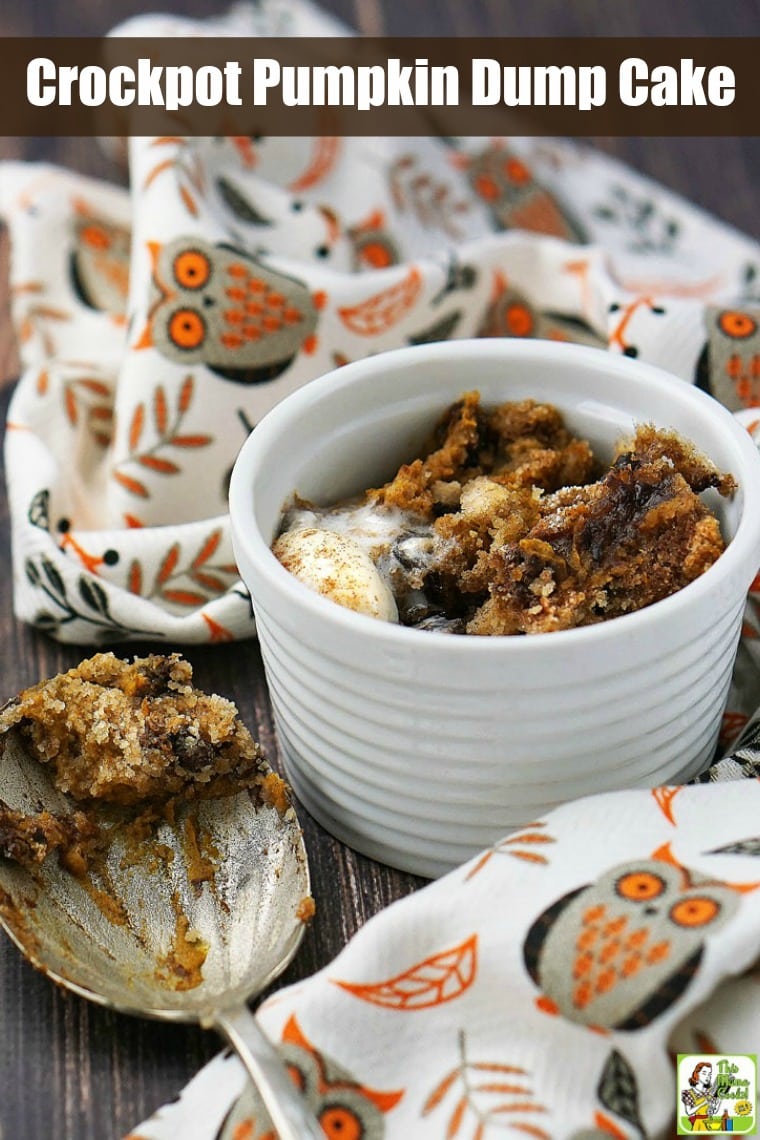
(536, 991)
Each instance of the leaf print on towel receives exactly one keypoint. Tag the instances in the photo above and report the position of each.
(89, 401)
(749, 846)
(482, 1097)
(378, 313)
(167, 434)
(325, 154)
(33, 319)
(430, 200)
(89, 603)
(187, 168)
(437, 979)
(520, 846)
(664, 797)
(184, 583)
(618, 1090)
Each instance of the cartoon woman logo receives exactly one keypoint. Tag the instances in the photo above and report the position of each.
(700, 1100)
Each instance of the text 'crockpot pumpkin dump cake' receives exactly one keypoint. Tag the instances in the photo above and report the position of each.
(508, 524)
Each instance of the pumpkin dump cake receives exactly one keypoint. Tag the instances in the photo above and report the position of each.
(136, 739)
(508, 524)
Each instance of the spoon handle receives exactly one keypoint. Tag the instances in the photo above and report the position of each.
(286, 1106)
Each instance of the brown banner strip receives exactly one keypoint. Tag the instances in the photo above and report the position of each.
(379, 86)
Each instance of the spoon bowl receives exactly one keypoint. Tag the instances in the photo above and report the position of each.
(183, 921)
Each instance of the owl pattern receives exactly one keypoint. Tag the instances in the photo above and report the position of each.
(617, 953)
(217, 305)
(344, 1108)
(729, 366)
(510, 313)
(99, 263)
(515, 200)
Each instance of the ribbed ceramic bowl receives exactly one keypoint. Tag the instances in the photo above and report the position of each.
(421, 748)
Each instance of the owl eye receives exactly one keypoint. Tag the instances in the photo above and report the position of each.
(95, 236)
(696, 911)
(737, 325)
(487, 187)
(375, 254)
(192, 269)
(187, 328)
(340, 1123)
(640, 886)
(516, 171)
(519, 320)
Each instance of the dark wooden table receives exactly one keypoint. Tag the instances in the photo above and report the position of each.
(69, 1069)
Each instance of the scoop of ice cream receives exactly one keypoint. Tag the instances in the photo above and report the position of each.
(336, 567)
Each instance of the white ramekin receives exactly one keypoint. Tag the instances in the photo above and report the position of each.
(420, 748)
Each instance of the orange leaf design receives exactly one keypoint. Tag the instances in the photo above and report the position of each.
(134, 486)
(184, 597)
(188, 200)
(440, 1090)
(136, 427)
(530, 1130)
(664, 799)
(456, 1118)
(155, 463)
(101, 413)
(217, 632)
(70, 404)
(158, 169)
(51, 314)
(209, 582)
(159, 410)
(440, 978)
(191, 440)
(96, 386)
(379, 313)
(530, 837)
(27, 287)
(528, 856)
(731, 726)
(185, 394)
(168, 565)
(132, 521)
(322, 162)
(604, 1124)
(42, 382)
(209, 547)
(134, 583)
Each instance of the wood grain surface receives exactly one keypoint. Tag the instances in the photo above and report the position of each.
(70, 1070)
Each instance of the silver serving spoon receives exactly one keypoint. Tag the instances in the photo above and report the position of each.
(184, 925)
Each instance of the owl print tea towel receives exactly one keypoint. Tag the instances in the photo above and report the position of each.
(541, 990)
(157, 326)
